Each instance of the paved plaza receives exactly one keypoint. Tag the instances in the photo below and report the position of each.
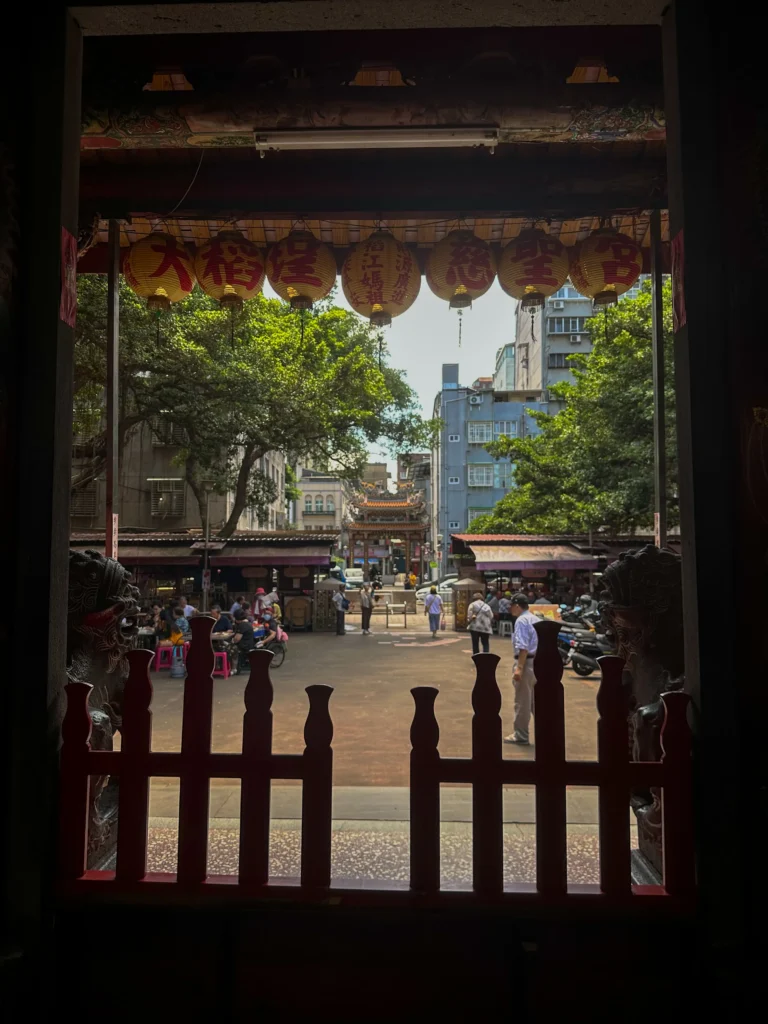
(372, 708)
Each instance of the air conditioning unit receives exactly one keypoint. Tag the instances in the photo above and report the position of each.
(475, 399)
(576, 339)
(558, 304)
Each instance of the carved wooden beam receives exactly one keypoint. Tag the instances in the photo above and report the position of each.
(530, 113)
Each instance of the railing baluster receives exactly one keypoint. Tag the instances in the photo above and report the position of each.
(194, 787)
(425, 792)
(317, 790)
(613, 793)
(551, 848)
(487, 801)
(256, 784)
(677, 834)
(75, 783)
(133, 807)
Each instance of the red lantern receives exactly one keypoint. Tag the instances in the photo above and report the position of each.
(230, 268)
(532, 267)
(461, 267)
(301, 269)
(605, 265)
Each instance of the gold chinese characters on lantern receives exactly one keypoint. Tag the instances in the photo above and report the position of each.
(158, 269)
(461, 267)
(605, 265)
(532, 267)
(301, 269)
(230, 268)
(380, 278)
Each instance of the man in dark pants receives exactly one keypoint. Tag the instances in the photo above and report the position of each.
(366, 607)
(339, 601)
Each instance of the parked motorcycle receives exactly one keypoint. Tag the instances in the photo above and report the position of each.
(584, 654)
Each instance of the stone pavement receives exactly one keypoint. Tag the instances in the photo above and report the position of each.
(371, 709)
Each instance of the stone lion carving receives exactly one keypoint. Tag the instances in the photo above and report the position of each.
(643, 609)
(102, 624)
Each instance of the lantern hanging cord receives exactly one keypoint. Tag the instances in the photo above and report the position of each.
(189, 189)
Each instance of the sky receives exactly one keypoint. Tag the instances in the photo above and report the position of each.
(427, 335)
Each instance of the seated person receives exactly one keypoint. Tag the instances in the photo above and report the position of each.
(180, 629)
(266, 631)
(246, 608)
(222, 623)
(243, 639)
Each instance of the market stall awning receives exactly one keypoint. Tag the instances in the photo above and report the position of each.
(143, 554)
(267, 554)
(489, 557)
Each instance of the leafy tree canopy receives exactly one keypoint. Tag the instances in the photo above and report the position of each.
(241, 386)
(591, 465)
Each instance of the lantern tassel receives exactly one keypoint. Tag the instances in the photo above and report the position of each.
(460, 324)
(301, 316)
(232, 327)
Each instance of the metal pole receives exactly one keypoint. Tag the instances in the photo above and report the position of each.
(205, 550)
(659, 427)
(113, 384)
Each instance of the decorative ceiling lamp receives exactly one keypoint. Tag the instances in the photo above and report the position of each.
(301, 269)
(532, 267)
(605, 265)
(230, 268)
(380, 278)
(158, 269)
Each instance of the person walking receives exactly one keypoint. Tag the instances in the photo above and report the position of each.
(341, 604)
(479, 623)
(433, 607)
(366, 608)
(525, 641)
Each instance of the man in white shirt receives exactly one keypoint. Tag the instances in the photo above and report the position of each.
(525, 641)
(188, 609)
(338, 600)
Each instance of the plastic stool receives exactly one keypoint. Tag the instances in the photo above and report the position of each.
(506, 628)
(186, 650)
(221, 664)
(163, 657)
(178, 671)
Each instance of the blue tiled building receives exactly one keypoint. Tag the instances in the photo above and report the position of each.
(467, 480)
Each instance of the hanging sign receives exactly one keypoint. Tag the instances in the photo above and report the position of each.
(206, 579)
(679, 315)
(68, 303)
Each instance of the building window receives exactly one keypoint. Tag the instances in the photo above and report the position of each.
(475, 513)
(566, 324)
(504, 428)
(319, 503)
(329, 504)
(453, 480)
(308, 503)
(479, 431)
(168, 496)
(502, 475)
(480, 475)
(454, 437)
(83, 502)
(567, 292)
(166, 433)
(454, 525)
(557, 361)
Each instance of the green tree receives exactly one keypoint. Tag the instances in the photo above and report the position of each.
(591, 465)
(244, 385)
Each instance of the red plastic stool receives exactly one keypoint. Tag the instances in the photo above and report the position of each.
(163, 657)
(186, 650)
(221, 664)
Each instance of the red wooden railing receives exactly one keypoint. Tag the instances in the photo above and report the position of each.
(486, 770)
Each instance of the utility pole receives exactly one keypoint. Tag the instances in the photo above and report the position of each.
(206, 570)
(113, 393)
(659, 426)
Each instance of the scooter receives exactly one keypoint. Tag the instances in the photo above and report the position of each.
(584, 655)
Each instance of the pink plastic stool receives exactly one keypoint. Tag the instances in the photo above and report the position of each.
(163, 657)
(186, 650)
(221, 664)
